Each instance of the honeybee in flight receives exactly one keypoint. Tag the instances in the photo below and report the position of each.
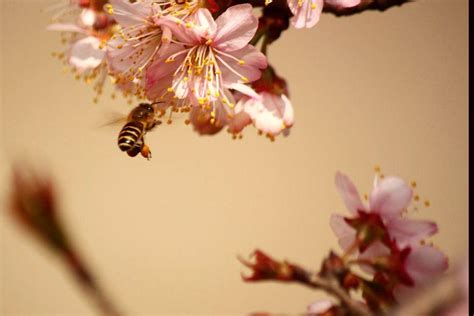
(141, 120)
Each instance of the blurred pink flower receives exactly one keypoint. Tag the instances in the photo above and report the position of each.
(86, 49)
(208, 58)
(307, 12)
(388, 199)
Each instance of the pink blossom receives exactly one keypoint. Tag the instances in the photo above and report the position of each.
(86, 49)
(307, 12)
(207, 59)
(135, 46)
(388, 199)
(270, 113)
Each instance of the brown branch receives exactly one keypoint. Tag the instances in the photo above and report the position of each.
(332, 287)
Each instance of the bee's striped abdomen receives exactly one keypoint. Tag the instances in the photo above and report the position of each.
(130, 134)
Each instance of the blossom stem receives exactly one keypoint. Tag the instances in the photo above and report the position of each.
(353, 247)
(332, 287)
(89, 285)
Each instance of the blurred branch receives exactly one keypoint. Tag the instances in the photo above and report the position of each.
(33, 204)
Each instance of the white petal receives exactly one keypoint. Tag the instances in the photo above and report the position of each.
(86, 54)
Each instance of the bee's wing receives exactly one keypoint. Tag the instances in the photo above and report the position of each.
(115, 119)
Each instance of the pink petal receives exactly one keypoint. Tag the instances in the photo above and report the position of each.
(159, 75)
(66, 27)
(235, 27)
(253, 61)
(86, 54)
(238, 122)
(129, 14)
(342, 3)
(189, 36)
(245, 90)
(306, 15)
(348, 193)
(425, 263)
(205, 23)
(319, 307)
(345, 233)
(410, 232)
(288, 113)
(87, 17)
(391, 196)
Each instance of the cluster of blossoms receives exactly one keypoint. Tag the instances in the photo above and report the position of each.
(386, 257)
(193, 56)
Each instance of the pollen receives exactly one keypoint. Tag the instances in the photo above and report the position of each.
(109, 8)
(427, 203)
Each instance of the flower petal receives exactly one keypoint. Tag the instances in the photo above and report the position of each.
(129, 14)
(348, 193)
(342, 3)
(248, 70)
(424, 263)
(235, 28)
(306, 13)
(66, 27)
(319, 307)
(345, 233)
(86, 53)
(391, 196)
(409, 232)
(159, 75)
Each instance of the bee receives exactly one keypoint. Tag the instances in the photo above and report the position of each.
(142, 119)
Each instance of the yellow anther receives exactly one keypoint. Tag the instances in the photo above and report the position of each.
(267, 2)
(413, 184)
(170, 89)
(108, 7)
(416, 197)
(427, 203)
(313, 6)
(377, 168)
(189, 25)
(209, 42)
(241, 62)
(244, 79)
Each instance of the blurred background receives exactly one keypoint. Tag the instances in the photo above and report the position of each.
(387, 89)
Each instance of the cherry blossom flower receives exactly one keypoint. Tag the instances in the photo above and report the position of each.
(388, 199)
(307, 12)
(86, 50)
(208, 58)
(138, 41)
(269, 109)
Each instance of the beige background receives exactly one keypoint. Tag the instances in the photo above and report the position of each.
(387, 89)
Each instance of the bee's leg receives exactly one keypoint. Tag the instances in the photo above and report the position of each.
(145, 151)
